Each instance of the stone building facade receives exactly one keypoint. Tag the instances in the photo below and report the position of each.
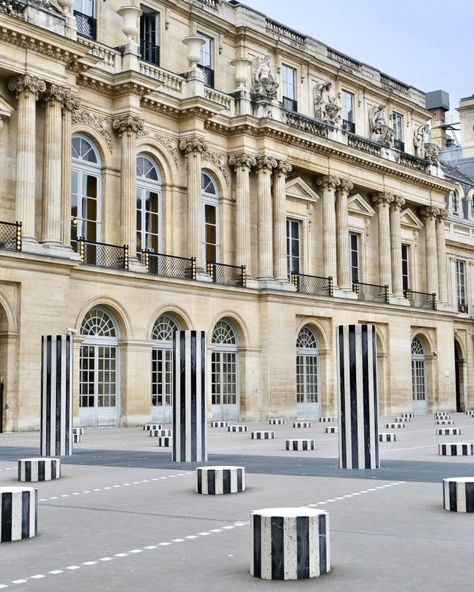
(196, 164)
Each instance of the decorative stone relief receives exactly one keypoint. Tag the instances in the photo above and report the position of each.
(329, 182)
(71, 102)
(283, 167)
(420, 138)
(379, 130)
(325, 106)
(219, 161)
(431, 153)
(384, 199)
(193, 144)
(267, 163)
(27, 83)
(242, 161)
(264, 85)
(100, 123)
(345, 185)
(12, 7)
(429, 212)
(398, 202)
(130, 124)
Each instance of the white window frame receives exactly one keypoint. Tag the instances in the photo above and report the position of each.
(288, 82)
(461, 284)
(407, 260)
(358, 235)
(291, 222)
(397, 123)
(144, 185)
(212, 200)
(83, 6)
(206, 51)
(348, 115)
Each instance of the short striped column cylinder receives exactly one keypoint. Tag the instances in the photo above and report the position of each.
(162, 433)
(220, 480)
(456, 449)
(299, 444)
(290, 543)
(219, 424)
(387, 437)
(165, 441)
(441, 415)
(448, 431)
(409, 414)
(237, 428)
(326, 419)
(265, 435)
(395, 426)
(152, 426)
(18, 513)
(39, 469)
(444, 421)
(276, 421)
(470, 412)
(331, 430)
(301, 424)
(402, 419)
(80, 431)
(458, 494)
(76, 438)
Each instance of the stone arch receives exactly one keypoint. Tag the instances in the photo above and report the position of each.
(237, 322)
(163, 159)
(175, 311)
(98, 141)
(223, 191)
(320, 331)
(115, 308)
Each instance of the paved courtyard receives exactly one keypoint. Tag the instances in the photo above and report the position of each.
(123, 517)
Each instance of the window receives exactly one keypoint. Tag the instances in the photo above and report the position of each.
(224, 372)
(354, 257)
(293, 246)
(148, 206)
(206, 61)
(461, 285)
(455, 204)
(348, 119)
(150, 36)
(210, 219)
(288, 80)
(84, 11)
(406, 267)
(162, 368)
(397, 120)
(418, 377)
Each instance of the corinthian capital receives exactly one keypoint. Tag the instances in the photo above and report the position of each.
(383, 198)
(429, 212)
(283, 167)
(329, 182)
(345, 185)
(71, 102)
(27, 84)
(442, 216)
(398, 202)
(54, 92)
(129, 124)
(242, 161)
(266, 163)
(193, 144)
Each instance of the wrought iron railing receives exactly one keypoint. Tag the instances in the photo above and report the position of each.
(171, 266)
(150, 52)
(312, 284)
(86, 25)
(10, 236)
(227, 275)
(425, 300)
(208, 75)
(290, 104)
(307, 124)
(371, 292)
(102, 254)
(399, 145)
(349, 126)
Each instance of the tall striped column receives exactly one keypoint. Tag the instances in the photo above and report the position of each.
(189, 408)
(358, 416)
(56, 395)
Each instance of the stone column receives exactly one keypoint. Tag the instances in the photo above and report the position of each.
(383, 201)
(329, 185)
(242, 164)
(396, 244)
(442, 257)
(193, 148)
(279, 220)
(429, 215)
(265, 165)
(342, 230)
(27, 89)
(71, 103)
(127, 127)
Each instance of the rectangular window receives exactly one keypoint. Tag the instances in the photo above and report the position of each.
(150, 37)
(347, 106)
(288, 83)
(354, 257)
(206, 60)
(84, 11)
(210, 233)
(461, 285)
(397, 120)
(293, 246)
(406, 267)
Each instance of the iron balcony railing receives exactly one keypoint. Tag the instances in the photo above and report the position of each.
(425, 300)
(371, 292)
(399, 145)
(86, 25)
(312, 284)
(349, 126)
(150, 53)
(227, 275)
(181, 268)
(208, 75)
(10, 236)
(103, 254)
(290, 104)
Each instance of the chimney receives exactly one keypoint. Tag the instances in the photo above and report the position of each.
(437, 101)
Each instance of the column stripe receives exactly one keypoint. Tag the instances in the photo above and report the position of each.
(257, 546)
(453, 502)
(302, 547)
(277, 548)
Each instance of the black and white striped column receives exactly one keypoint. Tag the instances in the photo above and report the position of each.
(358, 415)
(39, 469)
(220, 480)
(262, 435)
(189, 408)
(299, 444)
(387, 437)
(290, 543)
(458, 494)
(18, 513)
(456, 449)
(56, 395)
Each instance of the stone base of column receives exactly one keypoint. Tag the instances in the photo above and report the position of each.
(344, 293)
(273, 284)
(251, 283)
(398, 300)
(54, 249)
(203, 276)
(446, 306)
(135, 265)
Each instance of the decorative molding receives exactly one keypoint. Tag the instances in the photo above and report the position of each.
(100, 123)
(297, 188)
(266, 163)
(382, 198)
(219, 160)
(398, 202)
(345, 185)
(409, 219)
(359, 206)
(171, 144)
(27, 84)
(242, 161)
(71, 102)
(129, 124)
(429, 213)
(193, 144)
(328, 182)
(283, 167)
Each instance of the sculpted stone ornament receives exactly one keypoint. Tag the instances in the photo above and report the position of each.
(12, 7)
(264, 84)
(283, 167)
(54, 92)
(325, 106)
(420, 138)
(384, 199)
(27, 83)
(266, 163)
(431, 153)
(242, 161)
(101, 123)
(71, 102)
(193, 144)
(398, 202)
(430, 212)
(345, 185)
(329, 182)
(131, 124)
(379, 130)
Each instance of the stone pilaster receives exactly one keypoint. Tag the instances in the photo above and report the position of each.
(442, 257)
(127, 127)
(383, 201)
(242, 164)
(396, 245)
(342, 237)
(279, 220)
(265, 166)
(193, 147)
(429, 215)
(329, 184)
(71, 103)
(27, 89)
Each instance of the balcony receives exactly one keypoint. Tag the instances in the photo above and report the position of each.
(307, 124)
(10, 236)
(363, 144)
(349, 126)
(227, 275)
(371, 292)
(170, 266)
(424, 300)
(208, 75)
(86, 25)
(102, 254)
(290, 104)
(150, 53)
(312, 284)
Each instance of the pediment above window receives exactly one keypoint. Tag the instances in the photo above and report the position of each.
(299, 189)
(6, 109)
(359, 206)
(409, 219)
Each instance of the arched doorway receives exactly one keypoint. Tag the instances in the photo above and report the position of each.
(162, 368)
(307, 374)
(459, 376)
(418, 376)
(99, 370)
(225, 372)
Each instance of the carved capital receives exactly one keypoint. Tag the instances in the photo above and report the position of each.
(429, 213)
(27, 84)
(283, 167)
(71, 102)
(329, 182)
(345, 186)
(193, 144)
(442, 216)
(54, 92)
(129, 124)
(266, 163)
(242, 161)
(382, 199)
(398, 202)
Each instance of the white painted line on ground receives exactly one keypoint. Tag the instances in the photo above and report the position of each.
(349, 495)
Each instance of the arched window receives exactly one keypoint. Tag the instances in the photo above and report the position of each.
(148, 205)
(210, 218)
(85, 193)
(307, 373)
(98, 369)
(162, 368)
(225, 372)
(418, 376)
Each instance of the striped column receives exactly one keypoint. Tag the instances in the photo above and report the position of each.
(39, 469)
(189, 409)
(456, 449)
(264, 435)
(220, 480)
(299, 444)
(56, 395)
(18, 513)
(458, 494)
(290, 543)
(358, 416)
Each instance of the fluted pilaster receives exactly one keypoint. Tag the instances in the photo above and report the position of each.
(383, 201)
(242, 164)
(442, 257)
(342, 230)
(329, 184)
(396, 244)
(265, 166)
(429, 215)
(279, 220)
(70, 104)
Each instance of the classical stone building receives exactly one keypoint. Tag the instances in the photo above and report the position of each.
(196, 164)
